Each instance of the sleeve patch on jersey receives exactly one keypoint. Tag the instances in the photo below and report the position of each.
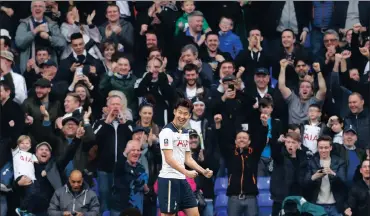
(165, 142)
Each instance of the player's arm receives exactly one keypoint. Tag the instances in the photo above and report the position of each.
(190, 162)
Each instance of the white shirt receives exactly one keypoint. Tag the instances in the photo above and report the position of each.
(124, 8)
(20, 87)
(310, 136)
(23, 164)
(338, 138)
(353, 15)
(191, 92)
(170, 138)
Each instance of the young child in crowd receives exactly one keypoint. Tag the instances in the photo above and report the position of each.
(23, 163)
(23, 160)
(229, 42)
(182, 22)
(336, 125)
(313, 128)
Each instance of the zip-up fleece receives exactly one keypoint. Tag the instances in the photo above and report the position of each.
(111, 140)
(242, 164)
(64, 199)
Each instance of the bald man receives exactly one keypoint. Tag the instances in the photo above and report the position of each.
(74, 198)
(130, 180)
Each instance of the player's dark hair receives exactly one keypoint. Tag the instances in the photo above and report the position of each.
(184, 103)
(293, 127)
(325, 138)
(315, 106)
(76, 36)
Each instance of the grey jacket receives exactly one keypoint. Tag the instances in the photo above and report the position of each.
(63, 200)
(125, 37)
(24, 40)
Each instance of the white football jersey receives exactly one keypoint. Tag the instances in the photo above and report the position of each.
(170, 138)
(23, 164)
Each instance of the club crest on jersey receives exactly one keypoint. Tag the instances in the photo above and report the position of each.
(165, 142)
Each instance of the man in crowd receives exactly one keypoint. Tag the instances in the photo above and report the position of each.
(325, 178)
(74, 198)
(359, 197)
(298, 105)
(37, 31)
(16, 82)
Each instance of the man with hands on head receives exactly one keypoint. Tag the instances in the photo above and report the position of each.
(242, 163)
(174, 193)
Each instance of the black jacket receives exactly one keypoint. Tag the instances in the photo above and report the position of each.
(128, 180)
(361, 123)
(111, 142)
(65, 74)
(285, 175)
(359, 199)
(160, 94)
(11, 111)
(242, 164)
(337, 182)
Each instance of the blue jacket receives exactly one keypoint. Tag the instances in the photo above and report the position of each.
(128, 186)
(230, 43)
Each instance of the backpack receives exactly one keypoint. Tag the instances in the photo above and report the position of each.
(7, 174)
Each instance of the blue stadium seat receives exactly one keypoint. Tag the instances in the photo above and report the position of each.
(221, 185)
(263, 183)
(264, 199)
(265, 211)
(106, 213)
(96, 187)
(221, 201)
(222, 212)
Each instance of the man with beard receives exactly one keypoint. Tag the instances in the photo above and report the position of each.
(31, 105)
(74, 198)
(211, 53)
(193, 88)
(298, 105)
(359, 195)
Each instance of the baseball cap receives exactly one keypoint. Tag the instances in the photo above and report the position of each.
(7, 55)
(43, 144)
(350, 128)
(228, 78)
(139, 129)
(42, 82)
(70, 118)
(193, 132)
(48, 62)
(262, 71)
(5, 33)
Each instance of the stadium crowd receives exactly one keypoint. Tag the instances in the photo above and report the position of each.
(87, 86)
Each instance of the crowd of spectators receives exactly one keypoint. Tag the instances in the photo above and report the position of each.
(87, 86)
